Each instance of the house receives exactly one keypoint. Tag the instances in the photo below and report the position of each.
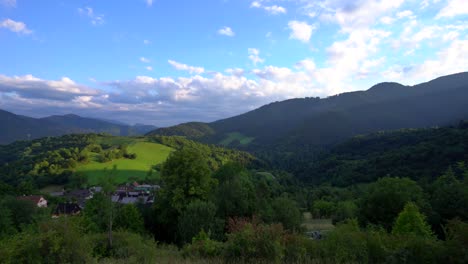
(79, 196)
(66, 209)
(36, 199)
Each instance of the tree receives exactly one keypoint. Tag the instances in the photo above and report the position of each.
(386, 198)
(129, 218)
(198, 216)
(323, 209)
(6, 224)
(186, 177)
(235, 195)
(344, 210)
(411, 222)
(450, 197)
(286, 212)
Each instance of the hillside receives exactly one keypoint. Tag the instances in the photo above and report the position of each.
(17, 127)
(419, 154)
(321, 122)
(88, 157)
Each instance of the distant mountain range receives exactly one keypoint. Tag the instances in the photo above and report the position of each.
(18, 127)
(318, 122)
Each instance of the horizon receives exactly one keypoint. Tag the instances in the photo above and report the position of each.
(159, 63)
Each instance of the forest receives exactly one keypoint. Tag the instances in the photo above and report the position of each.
(393, 197)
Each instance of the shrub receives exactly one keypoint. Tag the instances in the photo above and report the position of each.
(204, 247)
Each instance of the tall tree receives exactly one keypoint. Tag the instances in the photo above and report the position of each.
(411, 222)
(387, 197)
(186, 177)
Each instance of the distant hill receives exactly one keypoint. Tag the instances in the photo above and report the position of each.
(17, 127)
(320, 122)
(419, 154)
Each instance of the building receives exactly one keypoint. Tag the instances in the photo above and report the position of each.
(66, 209)
(38, 200)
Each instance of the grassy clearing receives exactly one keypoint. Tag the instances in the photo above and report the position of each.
(52, 188)
(312, 224)
(148, 154)
(244, 140)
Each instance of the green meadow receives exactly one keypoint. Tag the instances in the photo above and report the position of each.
(244, 140)
(148, 154)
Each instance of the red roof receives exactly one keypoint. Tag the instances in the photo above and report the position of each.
(32, 198)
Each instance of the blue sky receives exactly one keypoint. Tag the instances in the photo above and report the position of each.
(163, 62)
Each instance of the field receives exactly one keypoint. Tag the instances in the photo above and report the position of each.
(244, 140)
(148, 154)
(311, 224)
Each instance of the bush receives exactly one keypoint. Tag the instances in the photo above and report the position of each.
(204, 247)
(250, 241)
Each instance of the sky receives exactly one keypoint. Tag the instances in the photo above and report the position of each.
(163, 62)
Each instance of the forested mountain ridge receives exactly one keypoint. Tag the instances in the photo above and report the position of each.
(17, 127)
(315, 121)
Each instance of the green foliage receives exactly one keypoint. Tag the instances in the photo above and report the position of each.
(249, 241)
(127, 247)
(216, 156)
(449, 197)
(56, 241)
(129, 218)
(386, 198)
(235, 195)
(190, 130)
(286, 212)
(411, 222)
(345, 210)
(323, 209)
(186, 177)
(203, 247)
(197, 216)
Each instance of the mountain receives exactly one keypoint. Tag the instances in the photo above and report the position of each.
(320, 122)
(17, 127)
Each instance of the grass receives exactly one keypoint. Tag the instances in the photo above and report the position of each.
(148, 154)
(244, 140)
(313, 224)
(52, 188)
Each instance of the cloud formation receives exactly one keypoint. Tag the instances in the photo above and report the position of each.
(454, 8)
(96, 19)
(254, 56)
(300, 30)
(15, 26)
(226, 31)
(184, 67)
(273, 9)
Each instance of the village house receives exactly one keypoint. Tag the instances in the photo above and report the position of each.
(38, 200)
(64, 209)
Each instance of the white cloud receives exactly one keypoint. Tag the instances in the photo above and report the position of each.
(145, 60)
(15, 26)
(149, 68)
(273, 9)
(149, 2)
(226, 31)
(451, 59)
(354, 15)
(96, 19)
(454, 8)
(8, 3)
(300, 30)
(406, 13)
(29, 86)
(254, 56)
(146, 42)
(387, 20)
(184, 67)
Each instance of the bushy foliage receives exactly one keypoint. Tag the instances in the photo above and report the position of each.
(411, 222)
